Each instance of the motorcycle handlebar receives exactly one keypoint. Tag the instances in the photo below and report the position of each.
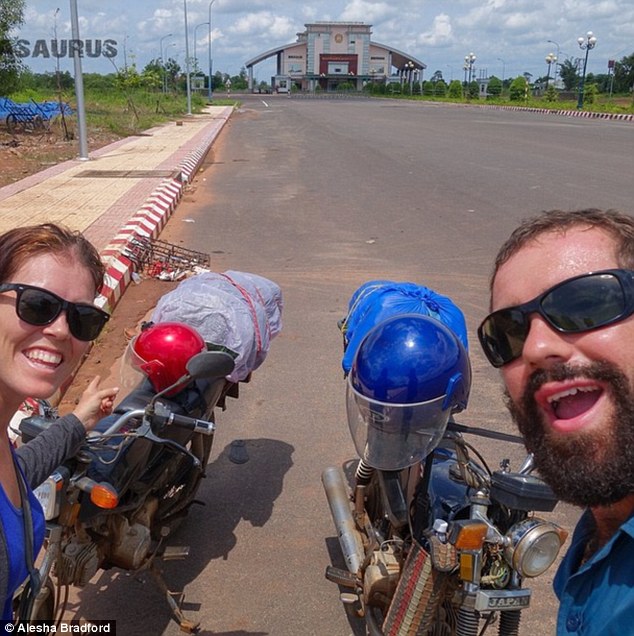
(192, 424)
(453, 426)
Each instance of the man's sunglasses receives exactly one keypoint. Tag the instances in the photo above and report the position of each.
(40, 307)
(575, 305)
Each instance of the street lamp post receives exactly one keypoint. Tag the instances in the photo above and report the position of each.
(187, 63)
(79, 86)
(210, 90)
(556, 60)
(503, 69)
(196, 44)
(468, 66)
(409, 68)
(550, 59)
(169, 35)
(585, 44)
(470, 59)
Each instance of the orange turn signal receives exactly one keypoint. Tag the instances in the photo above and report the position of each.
(468, 534)
(104, 496)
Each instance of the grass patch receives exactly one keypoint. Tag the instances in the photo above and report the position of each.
(601, 103)
(124, 113)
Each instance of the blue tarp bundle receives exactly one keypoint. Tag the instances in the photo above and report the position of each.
(46, 110)
(378, 300)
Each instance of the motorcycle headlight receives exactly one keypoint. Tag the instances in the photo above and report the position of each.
(49, 494)
(532, 546)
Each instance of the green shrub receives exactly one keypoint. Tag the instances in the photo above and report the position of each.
(455, 89)
(519, 89)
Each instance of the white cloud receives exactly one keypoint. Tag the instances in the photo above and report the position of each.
(441, 33)
(437, 32)
(368, 12)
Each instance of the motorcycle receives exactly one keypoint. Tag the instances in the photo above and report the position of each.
(120, 498)
(435, 543)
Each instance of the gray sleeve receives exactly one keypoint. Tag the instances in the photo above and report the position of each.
(42, 455)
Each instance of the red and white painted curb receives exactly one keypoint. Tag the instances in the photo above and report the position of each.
(562, 111)
(150, 219)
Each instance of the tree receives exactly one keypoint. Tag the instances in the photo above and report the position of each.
(569, 75)
(11, 16)
(455, 89)
(172, 73)
(551, 93)
(152, 75)
(494, 88)
(436, 77)
(440, 88)
(519, 89)
(624, 74)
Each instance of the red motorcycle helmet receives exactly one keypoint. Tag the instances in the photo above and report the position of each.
(162, 350)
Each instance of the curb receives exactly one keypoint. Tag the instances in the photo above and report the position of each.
(566, 113)
(150, 218)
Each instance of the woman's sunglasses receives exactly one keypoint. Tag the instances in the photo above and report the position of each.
(40, 307)
(575, 305)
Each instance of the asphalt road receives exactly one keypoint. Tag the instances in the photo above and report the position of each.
(321, 196)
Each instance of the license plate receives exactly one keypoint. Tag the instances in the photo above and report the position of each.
(500, 600)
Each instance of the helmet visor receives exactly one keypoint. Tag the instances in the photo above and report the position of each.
(394, 436)
(131, 374)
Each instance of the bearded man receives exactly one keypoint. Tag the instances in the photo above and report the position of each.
(561, 332)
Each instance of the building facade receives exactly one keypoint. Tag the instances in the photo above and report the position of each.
(330, 54)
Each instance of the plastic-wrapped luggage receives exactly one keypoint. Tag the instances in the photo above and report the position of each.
(377, 300)
(237, 310)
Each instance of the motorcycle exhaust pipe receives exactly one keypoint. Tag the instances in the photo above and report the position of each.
(349, 537)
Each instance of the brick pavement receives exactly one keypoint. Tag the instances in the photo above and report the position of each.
(125, 189)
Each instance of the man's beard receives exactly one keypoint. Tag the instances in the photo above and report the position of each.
(594, 468)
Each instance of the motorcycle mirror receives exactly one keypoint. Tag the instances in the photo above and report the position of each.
(210, 364)
(206, 364)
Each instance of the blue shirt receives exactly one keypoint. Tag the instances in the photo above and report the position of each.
(12, 520)
(597, 598)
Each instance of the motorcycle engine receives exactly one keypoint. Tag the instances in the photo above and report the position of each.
(381, 576)
(129, 544)
(79, 562)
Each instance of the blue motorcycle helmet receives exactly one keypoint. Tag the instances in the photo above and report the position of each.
(409, 375)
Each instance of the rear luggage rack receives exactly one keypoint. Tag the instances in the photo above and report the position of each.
(161, 259)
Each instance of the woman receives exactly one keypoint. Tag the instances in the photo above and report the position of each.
(49, 277)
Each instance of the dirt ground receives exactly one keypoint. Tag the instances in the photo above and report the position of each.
(25, 153)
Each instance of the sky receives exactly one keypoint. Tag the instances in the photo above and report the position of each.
(508, 37)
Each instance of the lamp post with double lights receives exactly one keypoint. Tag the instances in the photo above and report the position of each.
(585, 44)
(557, 59)
(409, 71)
(551, 58)
(469, 60)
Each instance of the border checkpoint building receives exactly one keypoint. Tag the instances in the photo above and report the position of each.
(329, 54)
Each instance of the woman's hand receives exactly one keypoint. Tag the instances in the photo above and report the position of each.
(95, 403)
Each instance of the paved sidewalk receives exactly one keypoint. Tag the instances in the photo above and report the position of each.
(128, 188)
